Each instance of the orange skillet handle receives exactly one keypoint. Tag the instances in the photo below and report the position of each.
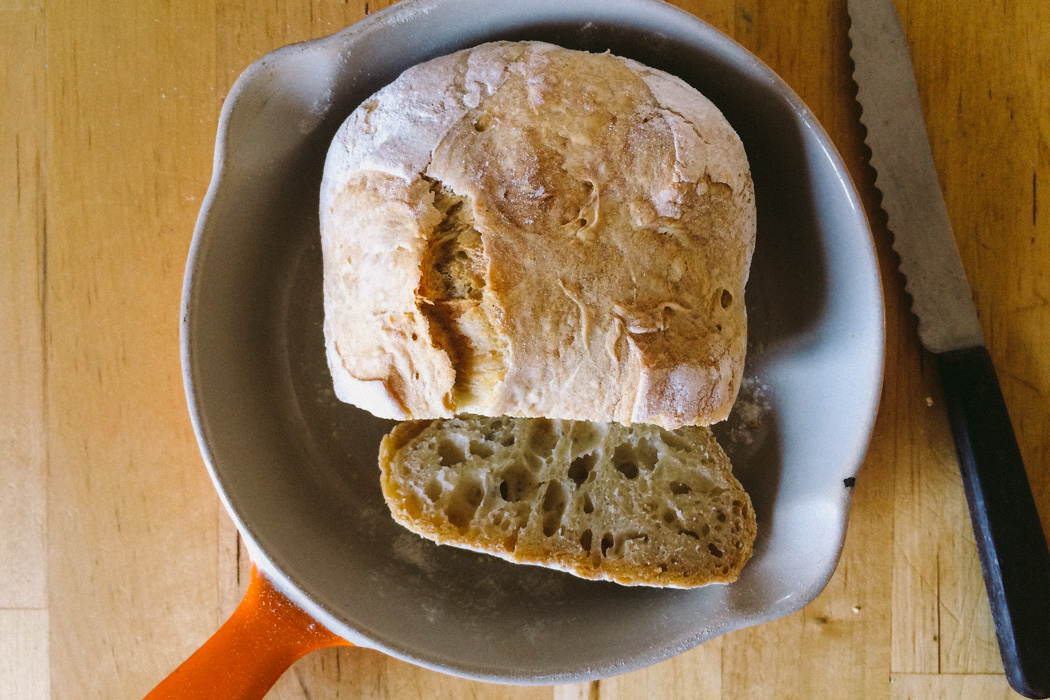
(265, 635)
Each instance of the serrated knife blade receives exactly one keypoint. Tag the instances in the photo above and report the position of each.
(1015, 560)
(907, 178)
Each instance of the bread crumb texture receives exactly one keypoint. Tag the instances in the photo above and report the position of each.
(632, 504)
(520, 229)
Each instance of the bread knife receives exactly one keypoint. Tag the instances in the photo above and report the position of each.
(1011, 544)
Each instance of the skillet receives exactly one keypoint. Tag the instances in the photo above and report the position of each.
(297, 470)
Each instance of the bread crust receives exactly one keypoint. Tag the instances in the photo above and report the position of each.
(519, 229)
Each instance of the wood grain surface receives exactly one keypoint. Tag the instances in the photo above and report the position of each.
(116, 559)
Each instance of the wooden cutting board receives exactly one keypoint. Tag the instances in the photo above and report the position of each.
(116, 559)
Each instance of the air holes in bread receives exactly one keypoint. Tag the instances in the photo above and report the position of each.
(726, 299)
(517, 482)
(607, 542)
(543, 440)
(715, 551)
(534, 462)
(680, 489)
(623, 460)
(450, 453)
(580, 468)
(553, 497)
(646, 453)
(433, 490)
(480, 449)
(627, 458)
(585, 540)
(464, 502)
(553, 507)
(588, 504)
(675, 442)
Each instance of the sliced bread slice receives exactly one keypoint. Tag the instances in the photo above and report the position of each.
(637, 504)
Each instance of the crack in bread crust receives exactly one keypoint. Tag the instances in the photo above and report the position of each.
(455, 302)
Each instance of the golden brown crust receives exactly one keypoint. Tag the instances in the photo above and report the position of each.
(614, 212)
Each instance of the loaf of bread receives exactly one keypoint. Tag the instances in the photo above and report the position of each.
(632, 504)
(519, 229)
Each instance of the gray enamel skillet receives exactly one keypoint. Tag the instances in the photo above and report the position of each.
(297, 470)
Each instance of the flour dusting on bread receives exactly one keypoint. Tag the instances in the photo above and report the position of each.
(520, 229)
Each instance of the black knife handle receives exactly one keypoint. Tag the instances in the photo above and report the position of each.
(1010, 540)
